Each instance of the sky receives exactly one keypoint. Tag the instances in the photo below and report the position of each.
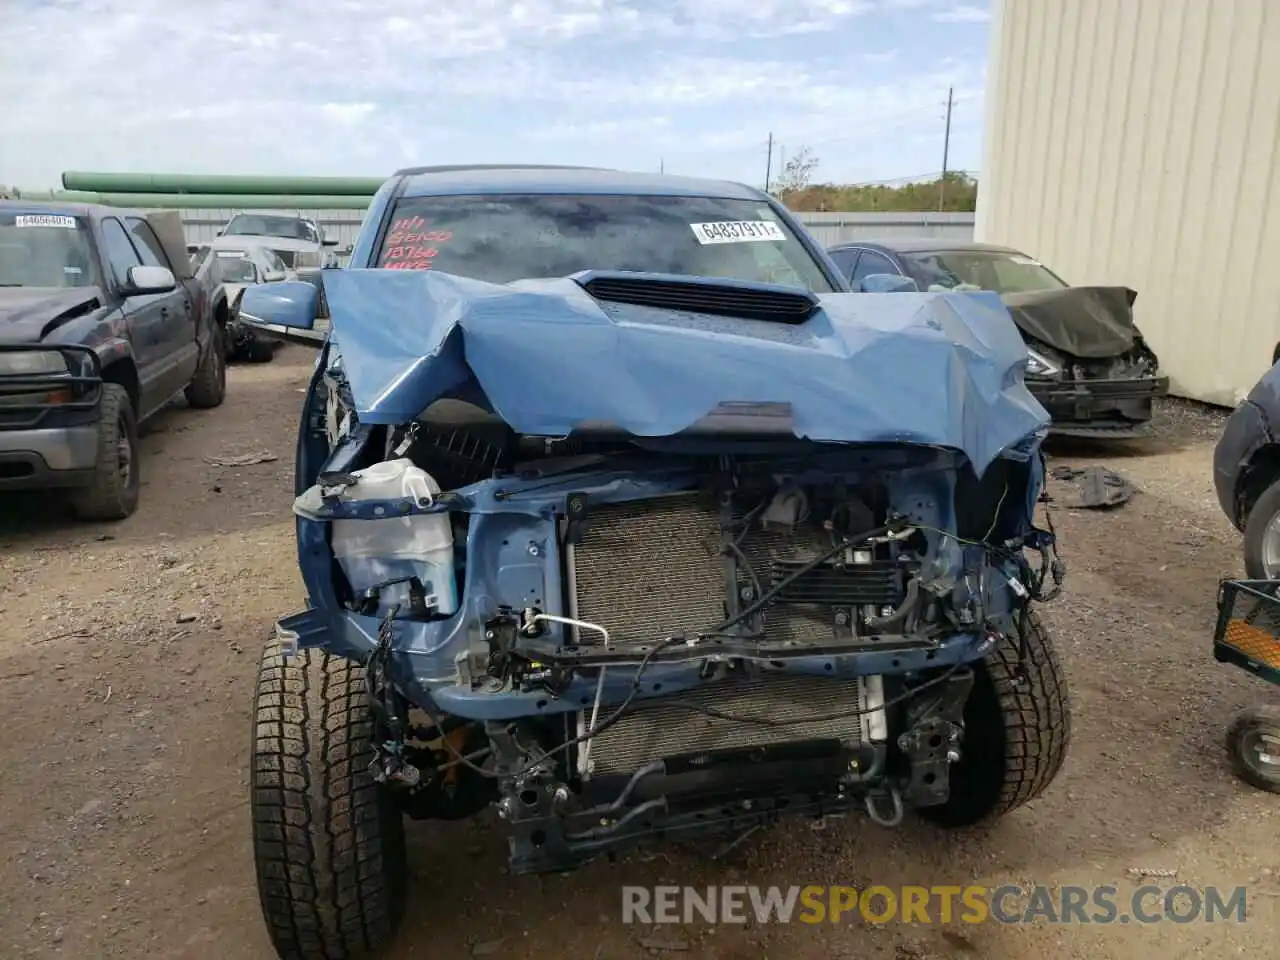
(358, 87)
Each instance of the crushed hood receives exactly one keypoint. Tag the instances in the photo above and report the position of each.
(938, 369)
(1089, 323)
(27, 314)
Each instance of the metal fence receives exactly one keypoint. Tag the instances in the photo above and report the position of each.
(828, 228)
(833, 228)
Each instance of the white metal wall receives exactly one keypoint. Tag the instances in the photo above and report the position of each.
(1137, 142)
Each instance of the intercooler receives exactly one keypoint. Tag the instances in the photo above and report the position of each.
(650, 569)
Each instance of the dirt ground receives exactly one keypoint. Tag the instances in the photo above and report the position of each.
(127, 661)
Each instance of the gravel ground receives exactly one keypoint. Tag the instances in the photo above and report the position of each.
(127, 660)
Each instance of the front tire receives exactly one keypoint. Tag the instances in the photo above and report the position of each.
(209, 388)
(1016, 733)
(1261, 545)
(329, 845)
(112, 493)
(259, 351)
(1253, 745)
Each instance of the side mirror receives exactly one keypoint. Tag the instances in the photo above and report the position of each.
(272, 276)
(286, 310)
(887, 283)
(146, 280)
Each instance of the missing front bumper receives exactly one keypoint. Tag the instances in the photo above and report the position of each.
(710, 798)
(1100, 408)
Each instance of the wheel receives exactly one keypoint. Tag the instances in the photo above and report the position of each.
(259, 351)
(112, 494)
(328, 844)
(1016, 733)
(1262, 536)
(1253, 744)
(209, 388)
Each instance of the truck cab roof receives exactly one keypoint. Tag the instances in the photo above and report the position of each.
(529, 179)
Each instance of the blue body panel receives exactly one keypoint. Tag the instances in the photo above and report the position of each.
(513, 561)
(935, 369)
(938, 376)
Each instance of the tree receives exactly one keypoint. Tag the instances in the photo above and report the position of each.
(796, 173)
(921, 196)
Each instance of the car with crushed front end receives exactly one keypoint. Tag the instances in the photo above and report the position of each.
(103, 320)
(237, 262)
(618, 513)
(1087, 362)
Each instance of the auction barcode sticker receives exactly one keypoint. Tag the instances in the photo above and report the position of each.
(43, 220)
(737, 231)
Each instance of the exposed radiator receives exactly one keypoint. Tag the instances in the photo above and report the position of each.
(648, 569)
(669, 730)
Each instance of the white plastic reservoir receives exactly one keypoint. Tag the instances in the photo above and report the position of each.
(372, 552)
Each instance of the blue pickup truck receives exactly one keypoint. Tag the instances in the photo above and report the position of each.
(617, 513)
(103, 320)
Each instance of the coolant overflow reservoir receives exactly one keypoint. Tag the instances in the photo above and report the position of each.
(373, 552)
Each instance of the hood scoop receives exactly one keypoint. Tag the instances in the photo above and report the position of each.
(722, 298)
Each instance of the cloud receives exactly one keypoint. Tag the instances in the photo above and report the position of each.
(963, 13)
(347, 113)
(351, 86)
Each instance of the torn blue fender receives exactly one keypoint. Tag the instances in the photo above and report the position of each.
(944, 369)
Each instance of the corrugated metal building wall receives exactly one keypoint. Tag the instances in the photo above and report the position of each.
(1137, 142)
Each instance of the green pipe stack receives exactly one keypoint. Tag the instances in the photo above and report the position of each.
(205, 201)
(199, 191)
(226, 185)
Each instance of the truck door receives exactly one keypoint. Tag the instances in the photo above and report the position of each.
(146, 316)
(177, 309)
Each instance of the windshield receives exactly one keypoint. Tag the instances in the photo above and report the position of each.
(236, 267)
(995, 270)
(261, 225)
(505, 238)
(44, 250)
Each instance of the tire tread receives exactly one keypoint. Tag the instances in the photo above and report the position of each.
(1033, 732)
(329, 851)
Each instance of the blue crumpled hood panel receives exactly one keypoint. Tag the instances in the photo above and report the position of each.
(937, 368)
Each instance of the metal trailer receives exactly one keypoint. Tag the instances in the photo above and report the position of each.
(1248, 636)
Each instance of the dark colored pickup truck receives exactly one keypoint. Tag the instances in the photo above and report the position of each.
(103, 320)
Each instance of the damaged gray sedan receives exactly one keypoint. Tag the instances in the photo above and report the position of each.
(1088, 363)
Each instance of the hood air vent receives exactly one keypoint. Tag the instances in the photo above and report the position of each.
(724, 298)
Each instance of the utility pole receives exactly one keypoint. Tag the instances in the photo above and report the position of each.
(662, 165)
(946, 149)
(768, 163)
